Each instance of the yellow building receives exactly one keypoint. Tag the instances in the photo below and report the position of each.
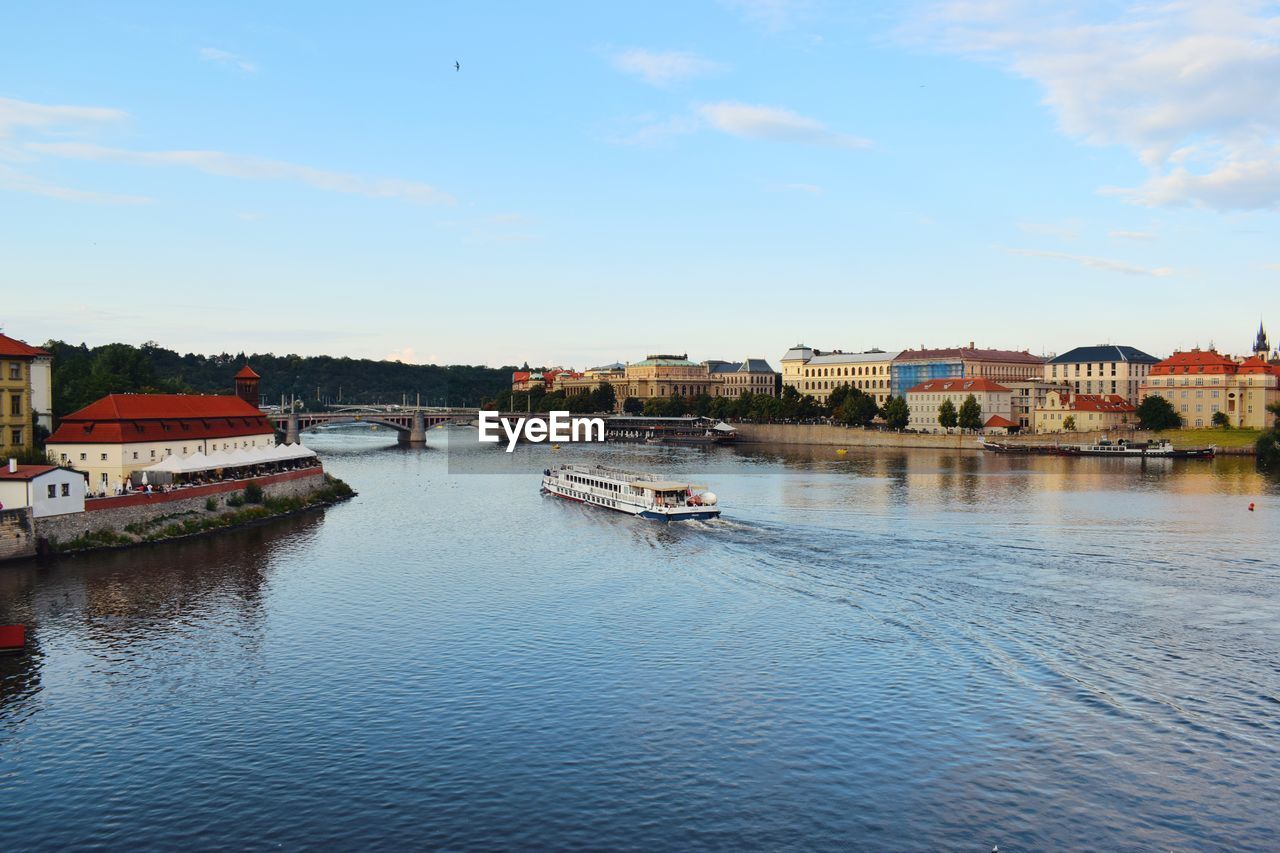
(1067, 412)
(1201, 383)
(25, 394)
(816, 373)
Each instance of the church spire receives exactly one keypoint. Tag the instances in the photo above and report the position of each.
(1260, 346)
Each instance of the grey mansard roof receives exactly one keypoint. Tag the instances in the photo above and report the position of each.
(756, 365)
(1104, 352)
(799, 351)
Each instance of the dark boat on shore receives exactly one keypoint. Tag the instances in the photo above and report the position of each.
(1123, 449)
(655, 430)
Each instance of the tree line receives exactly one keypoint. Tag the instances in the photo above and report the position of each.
(82, 374)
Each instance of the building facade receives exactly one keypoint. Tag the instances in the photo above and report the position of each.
(26, 394)
(110, 439)
(46, 490)
(816, 373)
(1104, 369)
(923, 401)
(1201, 383)
(660, 376)
(1027, 395)
(912, 367)
(752, 376)
(1065, 411)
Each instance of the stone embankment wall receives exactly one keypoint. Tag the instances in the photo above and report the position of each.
(837, 436)
(17, 537)
(116, 513)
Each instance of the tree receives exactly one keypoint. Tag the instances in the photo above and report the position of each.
(632, 406)
(947, 416)
(1268, 444)
(1220, 419)
(1157, 413)
(836, 399)
(970, 414)
(858, 409)
(1069, 424)
(604, 398)
(895, 412)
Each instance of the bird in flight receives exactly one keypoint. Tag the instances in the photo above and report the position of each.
(457, 66)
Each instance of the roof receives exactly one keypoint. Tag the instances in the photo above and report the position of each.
(999, 421)
(124, 418)
(798, 352)
(756, 365)
(660, 485)
(1195, 361)
(1257, 364)
(247, 372)
(1100, 403)
(971, 354)
(664, 361)
(957, 386)
(26, 472)
(617, 365)
(14, 348)
(724, 366)
(852, 358)
(1104, 352)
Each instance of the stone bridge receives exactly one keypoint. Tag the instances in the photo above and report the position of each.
(410, 423)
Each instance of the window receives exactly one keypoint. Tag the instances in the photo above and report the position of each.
(83, 457)
(135, 454)
(15, 404)
(66, 490)
(17, 436)
(53, 490)
(104, 457)
(15, 370)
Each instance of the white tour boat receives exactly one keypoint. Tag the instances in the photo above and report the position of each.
(626, 491)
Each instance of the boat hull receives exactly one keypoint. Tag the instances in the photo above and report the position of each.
(650, 513)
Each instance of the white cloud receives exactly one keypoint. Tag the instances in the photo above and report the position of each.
(1132, 235)
(775, 124)
(663, 68)
(224, 57)
(15, 181)
(1094, 263)
(240, 166)
(405, 356)
(770, 14)
(1190, 87)
(24, 114)
(1068, 230)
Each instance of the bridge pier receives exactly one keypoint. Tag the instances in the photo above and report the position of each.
(417, 435)
(291, 432)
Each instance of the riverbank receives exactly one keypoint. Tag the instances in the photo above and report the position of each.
(1228, 442)
(150, 521)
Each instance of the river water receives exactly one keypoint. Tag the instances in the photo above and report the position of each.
(896, 650)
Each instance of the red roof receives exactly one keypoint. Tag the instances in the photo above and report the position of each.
(25, 472)
(1100, 403)
(247, 372)
(123, 418)
(1196, 361)
(998, 421)
(958, 385)
(520, 376)
(971, 354)
(13, 348)
(1255, 364)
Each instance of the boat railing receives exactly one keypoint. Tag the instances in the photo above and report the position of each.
(615, 473)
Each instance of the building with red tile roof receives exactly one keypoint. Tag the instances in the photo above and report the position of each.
(1201, 383)
(121, 433)
(913, 366)
(925, 398)
(1064, 411)
(26, 394)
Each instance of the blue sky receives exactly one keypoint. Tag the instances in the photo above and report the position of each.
(603, 180)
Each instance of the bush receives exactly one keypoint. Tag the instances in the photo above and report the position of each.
(211, 504)
(236, 500)
(253, 494)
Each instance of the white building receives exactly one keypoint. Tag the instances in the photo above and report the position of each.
(994, 399)
(45, 489)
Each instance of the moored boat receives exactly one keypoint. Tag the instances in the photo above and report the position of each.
(645, 495)
(1125, 449)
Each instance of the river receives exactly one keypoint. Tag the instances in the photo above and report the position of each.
(906, 650)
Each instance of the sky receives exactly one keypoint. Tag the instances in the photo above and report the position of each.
(600, 181)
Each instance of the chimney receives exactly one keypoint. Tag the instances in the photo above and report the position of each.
(13, 465)
(971, 346)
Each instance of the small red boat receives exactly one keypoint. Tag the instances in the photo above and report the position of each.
(13, 638)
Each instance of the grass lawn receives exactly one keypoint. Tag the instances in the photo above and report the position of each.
(1205, 437)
